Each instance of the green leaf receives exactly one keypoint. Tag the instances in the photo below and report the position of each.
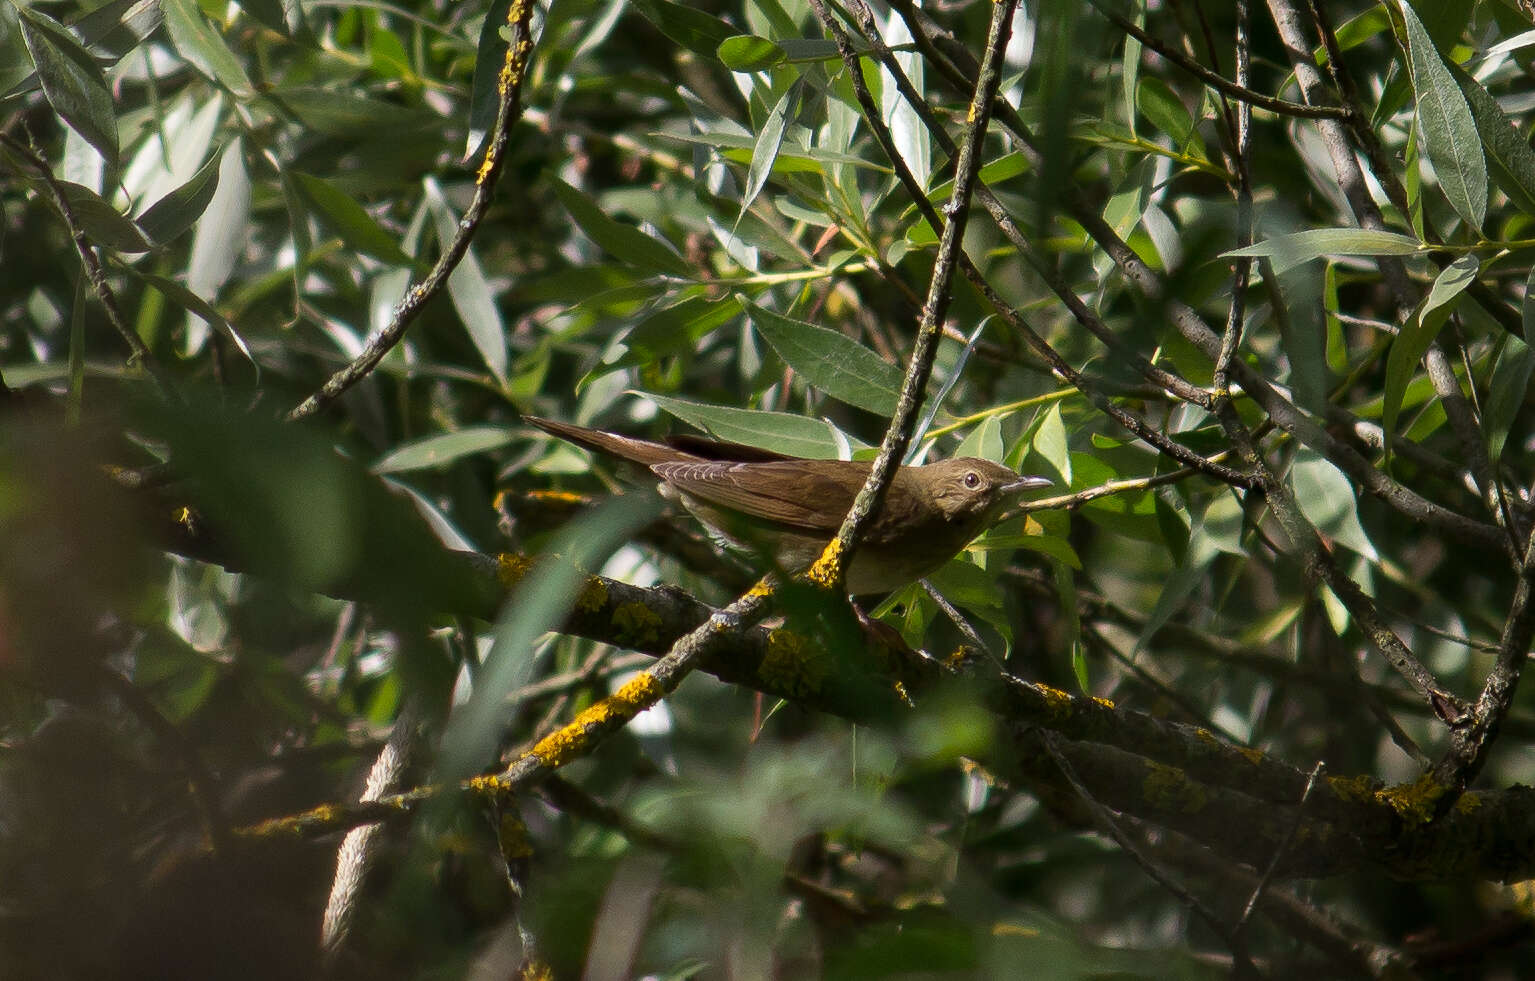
(71, 80)
(793, 157)
(202, 46)
(1506, 392)
(1050, 442)
(443, 449)
(695, 30)
(1161, 105)
(766, 149)
(831, 361)
(968, 586)
(777, 431)
(622, 241)
(749, 53)
(1510, 160)
(1051, 546)
(1447, 128)
(484, 88)
(809, 49)
(101, 222)
(1327, 499)
(671, 330)
(350, 220)
(179, 210)
(1289, 251)
(347, 113)
(1408, 348)
(1066, 593)
(1355, 31)
(469, 290)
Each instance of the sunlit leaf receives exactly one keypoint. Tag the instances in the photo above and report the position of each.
(831, 361)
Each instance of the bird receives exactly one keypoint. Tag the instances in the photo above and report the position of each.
(786, 508)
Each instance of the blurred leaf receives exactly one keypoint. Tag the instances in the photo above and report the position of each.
(469, 290)
(195, 304)
(445, 448)
(1506, 392)
(1411, 344)
(220, 236)
(971, 588)
(672, 330)
(1167, 113)
(180, 209)
(1356, 31)
(1327, 499)
(793, 156)
(202, 46)
(347, 113)
(489, 57)
(699, 32)
(622, 241)
(103, 224)
(349, 220)
(832, 362)
(1066, 593)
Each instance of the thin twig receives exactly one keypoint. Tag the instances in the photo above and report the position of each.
(1237, 90)
(513, 72)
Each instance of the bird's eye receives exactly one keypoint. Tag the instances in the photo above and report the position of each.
(972, 480)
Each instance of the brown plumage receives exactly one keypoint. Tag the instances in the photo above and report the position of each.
(787, 508)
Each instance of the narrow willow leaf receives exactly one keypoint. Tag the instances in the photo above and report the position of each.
(699, 32)
(1289, 251)
(103, 224)
(832, 362)
(614, 237)
(484, 88)
(71, 80)
(768, 142)
(1510, 160)
(1328, 500)
(1448, 130)
(1411, 344)
(179, 210)
(443, 449)
(1506, 392)
(202, 46)
(469, 290)
(1066, 593)
(350, 220)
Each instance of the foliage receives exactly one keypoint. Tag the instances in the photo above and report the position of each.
(1261, 320)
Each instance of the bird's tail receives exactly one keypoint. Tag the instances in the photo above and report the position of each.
(641, 451)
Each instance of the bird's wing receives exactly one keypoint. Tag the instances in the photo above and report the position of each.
(708, 448)
(808, 498)
(784, 493)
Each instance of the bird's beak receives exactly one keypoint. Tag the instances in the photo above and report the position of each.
(1025, 484)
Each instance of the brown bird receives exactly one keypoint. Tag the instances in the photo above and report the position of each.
(787, 508)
